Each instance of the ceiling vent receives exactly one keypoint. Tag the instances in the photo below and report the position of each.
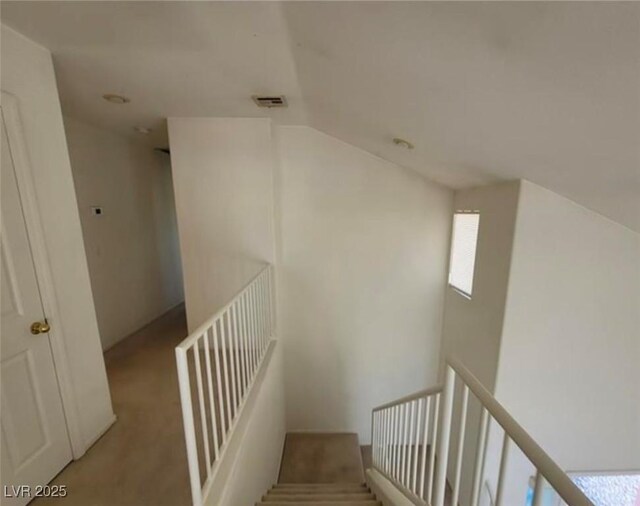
(270, 100)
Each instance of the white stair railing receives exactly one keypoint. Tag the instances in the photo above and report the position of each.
(411, 441)
(230, 346)
(403, 431)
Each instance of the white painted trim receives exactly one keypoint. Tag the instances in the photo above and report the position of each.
(26, 187)
(102, 431)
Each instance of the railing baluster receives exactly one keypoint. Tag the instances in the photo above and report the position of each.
(398, 441)
(403, 447)
(538, 489)
(478, 470)
(405, 442)
(443, 446)
(394, 447)
(460, 450)
(216, 357)
(391, 430)
(263, 310)
(243, 344)
(383, 457)
(270, 296)
(235, 349)
(232, 369)
(416, 446)
(223, 346)
(375, 434)
(425, 442)
(189, 425)
(380, 436)
(503, 468)
(432, 456)
(256, 316)
(245, 340)
(256, 294)
(408, 431)
(203, 411)
(251, 356)
(403, 437)
(212, 406)
(265, 323)
(254, 327)
(389, 452)
(247, 324)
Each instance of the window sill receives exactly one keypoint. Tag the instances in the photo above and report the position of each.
(460, 292)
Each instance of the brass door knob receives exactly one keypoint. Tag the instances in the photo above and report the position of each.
(40, 328)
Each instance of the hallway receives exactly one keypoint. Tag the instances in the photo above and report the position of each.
(141, 459)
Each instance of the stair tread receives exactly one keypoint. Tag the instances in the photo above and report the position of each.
(371, 502)
(305, 492)
(321, 490)
(328, 484)
(318, 496)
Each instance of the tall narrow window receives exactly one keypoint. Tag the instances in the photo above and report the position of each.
(464, 239)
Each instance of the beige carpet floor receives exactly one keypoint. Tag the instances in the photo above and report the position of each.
(321, 458)
(141, 460)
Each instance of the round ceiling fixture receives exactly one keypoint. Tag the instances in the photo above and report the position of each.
(142, 130)
(116, 99)
(402, 143)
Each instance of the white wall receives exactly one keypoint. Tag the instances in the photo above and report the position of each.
(132, 249)
(362, 267)
(222, 173)
(472, 327)
(568, 367)
(27, 73)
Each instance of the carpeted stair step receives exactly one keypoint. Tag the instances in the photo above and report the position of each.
(329, 488)
(320, 484)
(320, 469)
(322, 503)
(274, 497)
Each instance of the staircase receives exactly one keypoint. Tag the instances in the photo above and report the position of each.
(321, 469)
(324, 469)
(319, 494)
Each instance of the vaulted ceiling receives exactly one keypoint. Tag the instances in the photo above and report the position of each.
(547, 91)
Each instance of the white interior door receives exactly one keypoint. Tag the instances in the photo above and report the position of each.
(35, 445)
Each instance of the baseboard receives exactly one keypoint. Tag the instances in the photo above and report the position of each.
(99, 434)
(143, 326)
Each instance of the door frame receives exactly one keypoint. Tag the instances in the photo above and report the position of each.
(26, 189)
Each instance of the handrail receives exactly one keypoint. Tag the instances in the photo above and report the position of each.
(411, 444)
(411, 397)
(188, 341)
(224, 354)
(556, 477)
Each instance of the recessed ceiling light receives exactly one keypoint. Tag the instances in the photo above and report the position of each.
(116, 99)
(402, 143)
(142, 130)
